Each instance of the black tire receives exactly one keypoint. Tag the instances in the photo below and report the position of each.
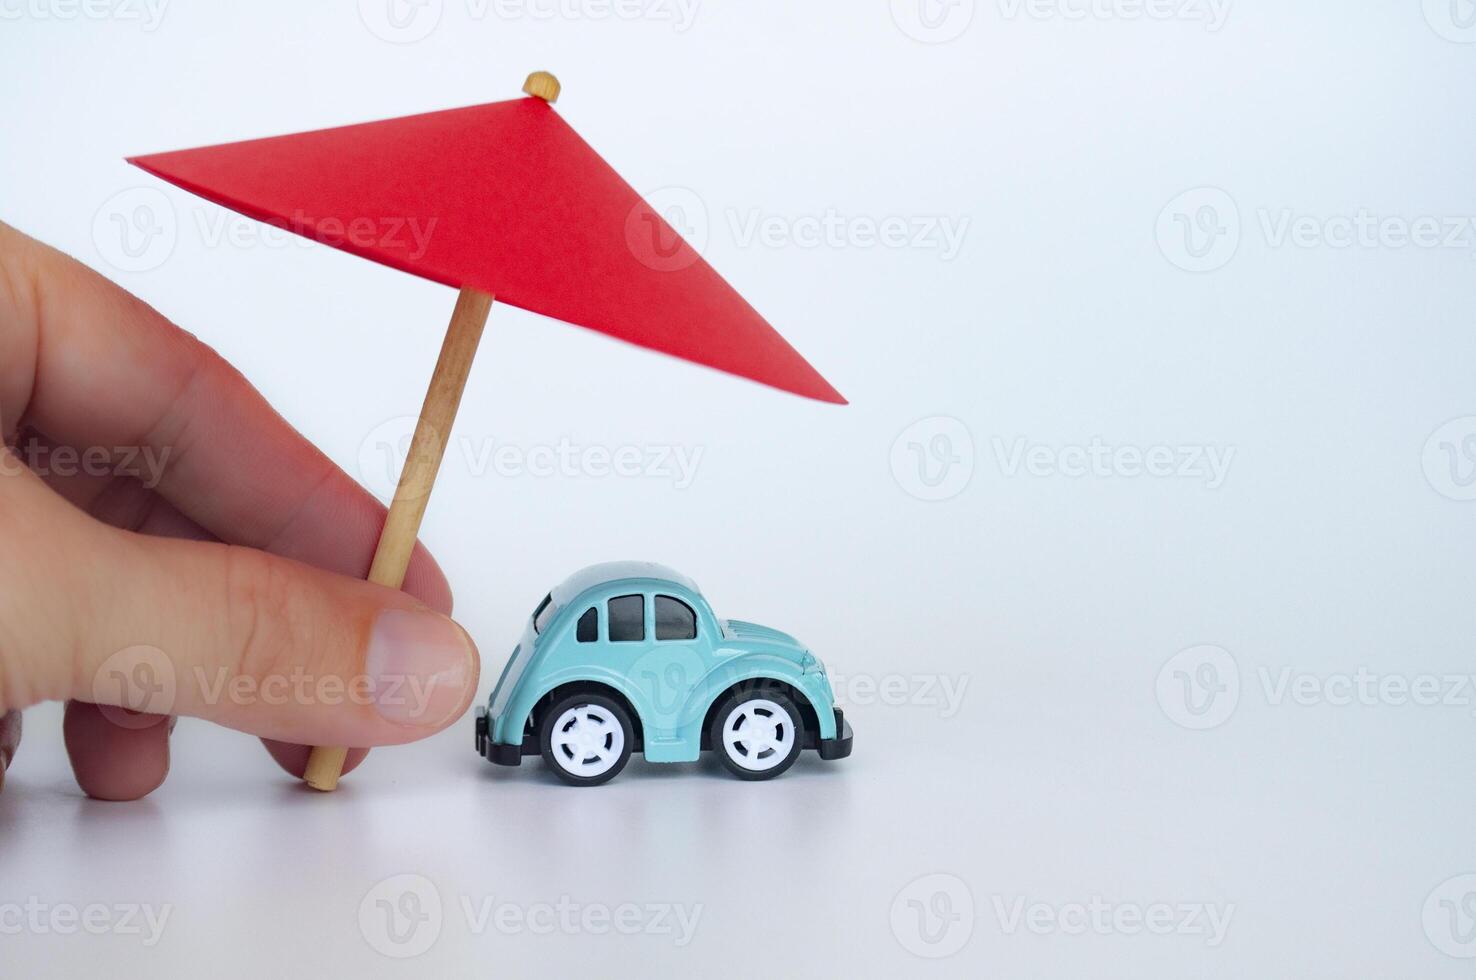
(552, 754)
(725, 713)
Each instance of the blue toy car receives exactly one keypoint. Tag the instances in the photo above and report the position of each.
(628, 656)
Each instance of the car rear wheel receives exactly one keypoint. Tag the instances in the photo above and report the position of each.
(586, 739)
(757, 734)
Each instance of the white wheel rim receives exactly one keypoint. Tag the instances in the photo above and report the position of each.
(758, 735)
(587, 740)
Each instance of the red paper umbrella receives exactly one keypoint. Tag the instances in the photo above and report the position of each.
(501, 200)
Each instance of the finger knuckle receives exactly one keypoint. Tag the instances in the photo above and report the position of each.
(23, 682)
(263, 614)
(32, 649)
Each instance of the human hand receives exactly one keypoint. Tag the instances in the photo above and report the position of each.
(168, 543)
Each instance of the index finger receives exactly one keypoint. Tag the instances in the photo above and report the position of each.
(88, 364)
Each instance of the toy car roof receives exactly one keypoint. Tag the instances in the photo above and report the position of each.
(610, 571)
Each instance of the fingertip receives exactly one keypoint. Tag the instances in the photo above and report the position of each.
(10, 732)
(10, 735)
(116, 762)
(294, 758)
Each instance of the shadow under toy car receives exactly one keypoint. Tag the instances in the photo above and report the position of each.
(628, 656)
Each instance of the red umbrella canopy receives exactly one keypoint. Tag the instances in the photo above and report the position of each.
(505, 198)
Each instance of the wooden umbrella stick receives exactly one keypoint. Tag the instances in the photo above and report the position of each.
(402, 526)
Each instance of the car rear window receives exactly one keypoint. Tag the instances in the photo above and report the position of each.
(675, 620)
(588, 629)
(543, 613)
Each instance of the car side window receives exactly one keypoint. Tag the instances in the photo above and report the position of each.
(588, 628)
(627, 615)
(675, 620)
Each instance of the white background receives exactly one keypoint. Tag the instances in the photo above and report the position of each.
(1124, 182)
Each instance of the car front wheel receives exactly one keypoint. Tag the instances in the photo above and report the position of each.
(757, 734)
(586, 739)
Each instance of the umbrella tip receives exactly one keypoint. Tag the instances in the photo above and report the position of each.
(542, 85)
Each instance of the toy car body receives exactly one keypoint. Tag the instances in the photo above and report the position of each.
(628, 656)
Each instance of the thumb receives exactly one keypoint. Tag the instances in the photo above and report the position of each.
(233, 635)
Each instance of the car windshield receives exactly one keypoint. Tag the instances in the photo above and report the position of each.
(543, 614)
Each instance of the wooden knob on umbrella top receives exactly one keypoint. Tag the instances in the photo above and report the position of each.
(542, 85)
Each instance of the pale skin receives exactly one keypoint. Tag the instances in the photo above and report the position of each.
(245, 560)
